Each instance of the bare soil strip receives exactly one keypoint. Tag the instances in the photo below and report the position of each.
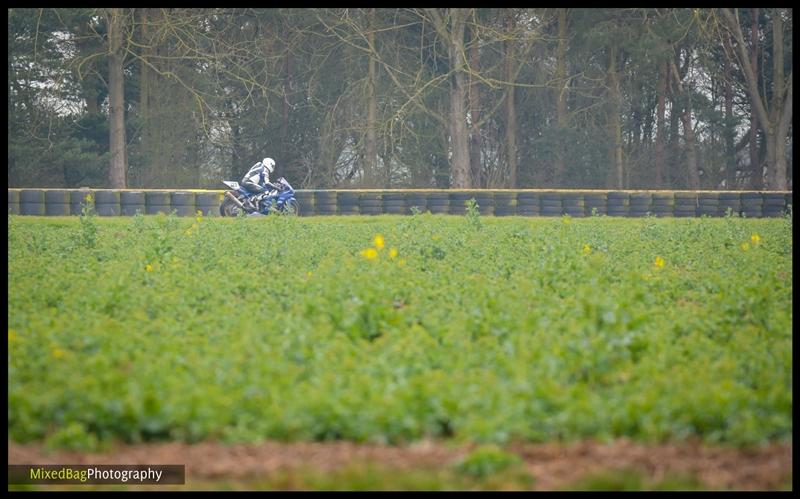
(554, 465)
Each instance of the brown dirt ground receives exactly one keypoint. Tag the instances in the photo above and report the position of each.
(554, 465)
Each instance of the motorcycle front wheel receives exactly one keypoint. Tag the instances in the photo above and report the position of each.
(292, 207)
(228, 208)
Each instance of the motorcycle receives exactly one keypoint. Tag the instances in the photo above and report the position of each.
(278, 199)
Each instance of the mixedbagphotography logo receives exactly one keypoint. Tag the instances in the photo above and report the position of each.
(21, 474)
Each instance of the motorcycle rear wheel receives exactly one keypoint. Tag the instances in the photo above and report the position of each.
(228, 208)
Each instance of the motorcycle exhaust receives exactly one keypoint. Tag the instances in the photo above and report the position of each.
(230, 195)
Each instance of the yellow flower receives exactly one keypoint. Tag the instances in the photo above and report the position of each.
(379, 241)
(393, 253)
(745, 246)
(12, 336)
(756, 239)
(309, 273)
(58, 353)
(199, 213)
(89, 198)
(370, 253)
(659, 263)
(148, 268)
(587, 249)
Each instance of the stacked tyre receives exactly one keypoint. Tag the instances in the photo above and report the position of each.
(305, 200)
(663, 204)
(595, 203)
(107, 203)
(685, 204)
(325, 202)
(416, 199)
(13, 202)
(618, 204)
(183, 203)
(707, 204)
(209, 202)
(77, 200)
(528, 204)
(505, 203)
(31, 202)
(774, 204)
(458, 202)
(394, 203)
(729, 201)
(752, 205)
(572, 204)
(438, 203)
(550, 204)
(485, 200)
(132, 202)
(158, 202)
(56, 202)
(347, 202)
(371, 203)
(641, 204)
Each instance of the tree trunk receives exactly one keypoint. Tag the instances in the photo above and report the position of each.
(511, 113)
(730, 133)
(777, 167)
(287, 81)
(474, 112)
(757, 174)
(371, 143)
(688, 131)
(459, 142)
(661, 124)
(116, 95)
(691, 148)
(615, 126)
(561, 97)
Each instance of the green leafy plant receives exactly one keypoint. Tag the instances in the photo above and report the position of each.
(473, 214)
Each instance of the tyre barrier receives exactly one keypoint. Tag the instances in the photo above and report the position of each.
(752, 205)
(418, 200)
(158, 202)
(107, 203)
(550, 204)
(183, 203)
(439, 203)
(523, 202)
(31, 202)
(594, 203)
(347, 203)
(528, 204)
(573, 203)
(132, 202)
(306, 201)
(13, 202)
(394, 203)
(505, 203)
(209, 202)
(370, 203)
(56, 202)
(77, 200)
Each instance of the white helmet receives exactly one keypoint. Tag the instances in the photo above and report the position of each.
(269, 164)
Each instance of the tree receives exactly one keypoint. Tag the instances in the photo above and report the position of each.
(773, 108)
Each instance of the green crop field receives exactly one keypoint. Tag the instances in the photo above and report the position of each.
(394, 329)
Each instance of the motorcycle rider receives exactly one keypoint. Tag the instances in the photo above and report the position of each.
(256, 181)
